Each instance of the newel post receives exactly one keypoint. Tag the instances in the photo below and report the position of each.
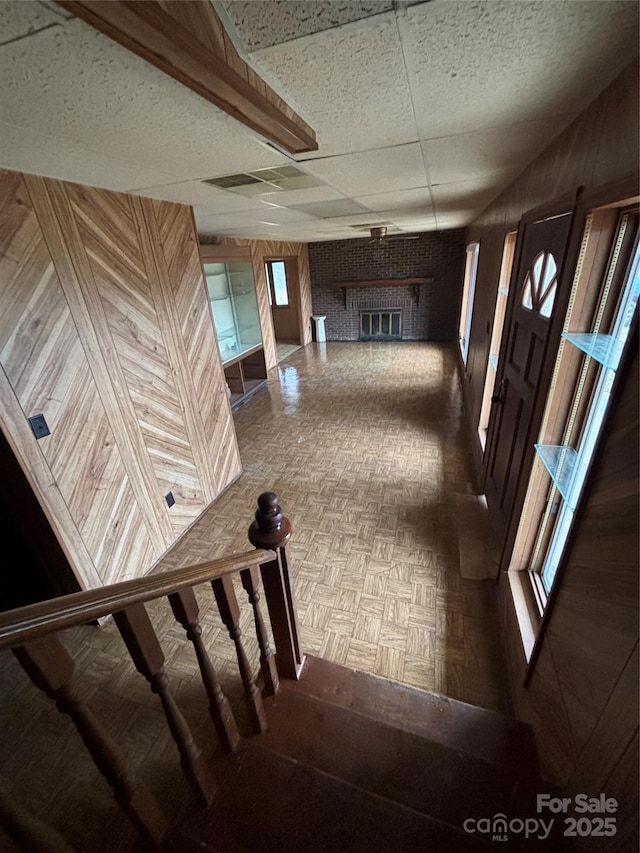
(272, 531)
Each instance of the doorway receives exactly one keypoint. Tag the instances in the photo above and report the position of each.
(39, 569)
(283, 286)
(522, 358)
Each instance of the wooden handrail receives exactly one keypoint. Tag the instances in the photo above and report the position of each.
(31, 634)
(35, 620)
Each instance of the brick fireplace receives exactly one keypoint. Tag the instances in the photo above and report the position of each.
(429, 311)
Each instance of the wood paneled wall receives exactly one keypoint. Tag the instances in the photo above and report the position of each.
(261, 249)
(582, 699)
(599, 148)
(106, 330)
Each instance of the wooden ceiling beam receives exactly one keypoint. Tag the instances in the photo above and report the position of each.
(187, 41)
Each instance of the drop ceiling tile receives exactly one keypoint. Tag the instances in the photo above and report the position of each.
(18, 20)
(293, 19)
(280, 215)
(289, 198)
(73, 83)
(23, 151)
(481, 65)
(208, 199)
(498, 153)
(415, 198)
(455, 220)
(350, 82)
(368, 218)
(224, 221)
(465, 196)
(406, 218)
(387, 170)
(331, 209)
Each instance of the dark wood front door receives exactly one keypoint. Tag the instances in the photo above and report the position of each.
(533, 290)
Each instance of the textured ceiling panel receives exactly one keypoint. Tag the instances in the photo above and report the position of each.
(73, 83)
(488, 64)
(350, 82)
(414, 104)
(385, 170)
(21, 151)
(466, 197)
(208, 199)
(419, 197)
(330, 209)
(409, 220)
(496, 153)
(291, 19)
(366, 218)
(310, 195)
(18, 20)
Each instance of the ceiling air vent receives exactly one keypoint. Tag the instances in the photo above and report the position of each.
(266, 181)
(231, 181)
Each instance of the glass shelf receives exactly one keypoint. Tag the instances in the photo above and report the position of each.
(604, 348)
(560, 462)
(493, 361)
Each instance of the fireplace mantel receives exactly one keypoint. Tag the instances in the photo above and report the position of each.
(383, 282)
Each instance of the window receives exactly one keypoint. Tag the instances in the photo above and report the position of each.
(496, 335)
(540, 283)
(602, 306)
(468, 292)
(277, 283)
(568, 467)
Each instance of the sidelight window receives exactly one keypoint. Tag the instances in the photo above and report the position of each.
(496, 335)
(569, 462)
(468, 293)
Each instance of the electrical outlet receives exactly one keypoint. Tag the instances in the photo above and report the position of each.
(39, 426)
(169, 498)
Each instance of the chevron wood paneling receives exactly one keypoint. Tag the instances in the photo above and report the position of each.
(202, 371)
(105, 329)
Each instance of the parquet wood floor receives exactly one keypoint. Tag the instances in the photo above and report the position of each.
(365, 445)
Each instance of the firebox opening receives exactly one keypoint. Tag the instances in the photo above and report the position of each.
(381, 325)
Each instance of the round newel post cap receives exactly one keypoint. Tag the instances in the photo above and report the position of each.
(270, 529)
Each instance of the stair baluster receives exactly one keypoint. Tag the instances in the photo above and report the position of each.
(272, 527)
(185, 609)
(140, 638)
(50, 667)
(230, 614)
(251, 582)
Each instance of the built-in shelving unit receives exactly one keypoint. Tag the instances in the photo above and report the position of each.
(234, 308)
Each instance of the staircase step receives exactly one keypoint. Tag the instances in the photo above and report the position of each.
(272, 804)
(503, 741)
(387, 761)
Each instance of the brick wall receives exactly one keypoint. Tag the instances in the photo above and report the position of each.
(428, 315)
